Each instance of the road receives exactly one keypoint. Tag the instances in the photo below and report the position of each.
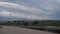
(18, 30)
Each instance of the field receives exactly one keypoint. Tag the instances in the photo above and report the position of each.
(32, 23)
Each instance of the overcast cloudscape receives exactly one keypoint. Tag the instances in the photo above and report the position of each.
(30, 9)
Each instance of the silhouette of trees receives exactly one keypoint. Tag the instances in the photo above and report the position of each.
(14, 20)
(8, 21)
(25, 24)
(35, 22)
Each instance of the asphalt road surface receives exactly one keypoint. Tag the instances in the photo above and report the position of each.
(18, 30)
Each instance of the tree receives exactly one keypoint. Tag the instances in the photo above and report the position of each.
(14, 20)
(35, 22)
(25, 24)
(8, 21)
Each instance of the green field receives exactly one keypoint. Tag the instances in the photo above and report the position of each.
(34, 23)
(13, 23)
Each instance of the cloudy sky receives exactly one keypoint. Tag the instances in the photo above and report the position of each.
(29, 9)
